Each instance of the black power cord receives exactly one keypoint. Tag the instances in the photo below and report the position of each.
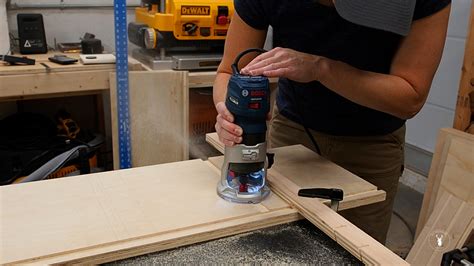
(303, 120)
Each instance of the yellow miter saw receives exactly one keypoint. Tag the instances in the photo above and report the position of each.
(183, 34)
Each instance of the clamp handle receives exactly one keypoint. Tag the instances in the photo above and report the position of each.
(323, 193)
(334, 194)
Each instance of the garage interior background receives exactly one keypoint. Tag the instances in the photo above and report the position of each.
(422, 131)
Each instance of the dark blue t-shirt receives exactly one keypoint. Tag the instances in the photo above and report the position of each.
(310, 27)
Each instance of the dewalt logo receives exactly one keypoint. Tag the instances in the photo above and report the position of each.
(195, 10)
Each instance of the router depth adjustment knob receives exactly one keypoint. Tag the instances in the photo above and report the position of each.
(149, 37)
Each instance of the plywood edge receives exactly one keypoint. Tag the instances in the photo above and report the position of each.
(358, 242)
(53, 83)
(360, 199)
(171, 240)
(214, 141)
(201, 79)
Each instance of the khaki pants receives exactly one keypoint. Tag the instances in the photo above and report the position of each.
(377, 159)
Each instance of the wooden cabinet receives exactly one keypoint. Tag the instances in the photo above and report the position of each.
(166, 108)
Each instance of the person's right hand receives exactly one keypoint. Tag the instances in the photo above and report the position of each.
(228, 132)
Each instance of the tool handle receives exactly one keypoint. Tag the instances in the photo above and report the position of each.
(323, 193)
(235, 65)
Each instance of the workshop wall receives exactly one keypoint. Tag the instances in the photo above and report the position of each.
(4, 39)
(439, 109)
(69, 23)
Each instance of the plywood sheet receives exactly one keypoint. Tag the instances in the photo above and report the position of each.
(448, 204)
(307, 169)
(451, 220)
(458, 174)
(158, 106)
(111, 215)
(447, 164)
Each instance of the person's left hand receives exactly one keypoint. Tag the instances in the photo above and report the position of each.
(286, 63)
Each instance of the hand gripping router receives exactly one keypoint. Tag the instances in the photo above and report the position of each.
(244, 172)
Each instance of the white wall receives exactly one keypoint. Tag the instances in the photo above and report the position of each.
(439, 109)
(4, 39)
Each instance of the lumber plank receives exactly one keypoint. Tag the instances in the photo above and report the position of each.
(463, 113)
(353, 239)
(38, 68)
(158, 106)
(111, 215)
(53, 83)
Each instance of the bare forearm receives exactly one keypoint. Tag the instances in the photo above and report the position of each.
(383, 92)
(220, 87)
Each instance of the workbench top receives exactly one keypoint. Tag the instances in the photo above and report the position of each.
(112, 215)
(293, 243)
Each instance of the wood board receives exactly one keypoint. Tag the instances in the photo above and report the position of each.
(459, 164)
(108, 216)
(53, 83)
(308, 169)
(36, 81)
(464, 114)
(453, 218)
(449, 200)
(158, 104)
(368, 250)
(38, 68)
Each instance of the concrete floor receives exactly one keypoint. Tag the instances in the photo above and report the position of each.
(403, 225)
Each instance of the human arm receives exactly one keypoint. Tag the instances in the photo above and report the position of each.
(402, 92)
(239, 38)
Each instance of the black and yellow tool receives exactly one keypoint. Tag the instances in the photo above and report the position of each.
(178, 24)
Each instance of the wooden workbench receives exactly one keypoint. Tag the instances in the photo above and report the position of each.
(19, 82)
(107, 216)
(165, 126)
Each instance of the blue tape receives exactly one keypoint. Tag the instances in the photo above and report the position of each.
(121, 65)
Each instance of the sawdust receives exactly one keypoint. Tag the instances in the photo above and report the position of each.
(294, 243)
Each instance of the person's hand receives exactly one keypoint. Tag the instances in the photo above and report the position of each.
(286, 63)
(228, 132)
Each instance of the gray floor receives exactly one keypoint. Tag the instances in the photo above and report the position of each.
(402, 228)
